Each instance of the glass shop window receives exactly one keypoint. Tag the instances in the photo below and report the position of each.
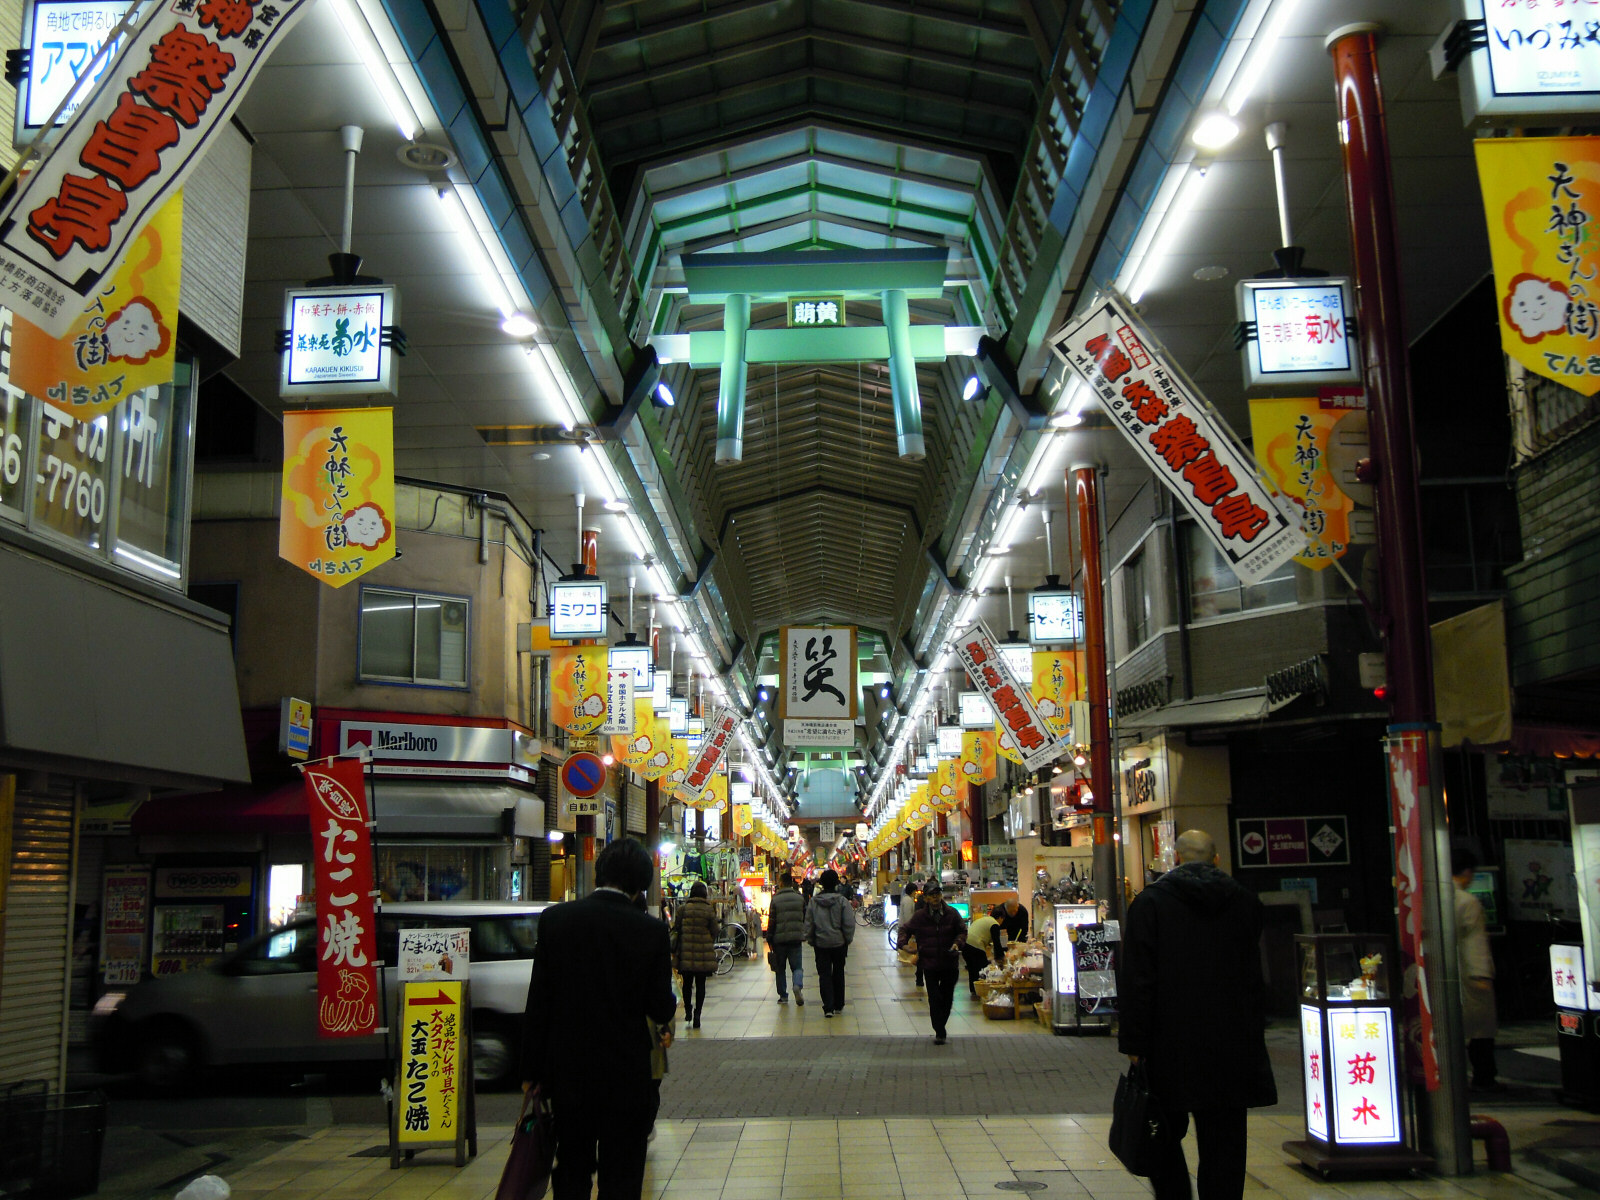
(1215, 591)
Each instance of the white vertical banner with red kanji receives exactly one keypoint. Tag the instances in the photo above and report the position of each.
(1181, 439)
(128, 149)
(341, 851)
(1408, 791)
(1010, 697)
(714, 745)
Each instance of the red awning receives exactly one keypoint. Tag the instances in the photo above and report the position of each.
(259, 808)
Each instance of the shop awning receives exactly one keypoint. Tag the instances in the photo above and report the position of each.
(259, 808)
(1225, 710)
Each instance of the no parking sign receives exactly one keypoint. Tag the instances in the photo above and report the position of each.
(582, 777)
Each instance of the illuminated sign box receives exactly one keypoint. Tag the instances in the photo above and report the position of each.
(1531, 64)
(1019, 660)
(636, 658)
(976, 711)
(333, 342)
(60, 39)
(678, 719)
(949, 741)
(1297, 331)
(578, 609)
(1055, 617)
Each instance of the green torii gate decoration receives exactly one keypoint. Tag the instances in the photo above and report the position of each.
(891, 277)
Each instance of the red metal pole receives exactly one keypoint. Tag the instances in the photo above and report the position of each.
(1422, 852)
(1085, 484)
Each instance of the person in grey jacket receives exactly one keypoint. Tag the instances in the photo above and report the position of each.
(830, 928)
(786, 930)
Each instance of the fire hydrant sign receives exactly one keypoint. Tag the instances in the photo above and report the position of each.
(1013, 705)
(1182, 441)
(347, 945)
(128, 149)
(431, 1067)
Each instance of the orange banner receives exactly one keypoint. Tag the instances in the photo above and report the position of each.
(337, 520)
(1055, 685)
(1292, 438)
(578, 687)
(648, 739)
(977, 755)
(1006, 745)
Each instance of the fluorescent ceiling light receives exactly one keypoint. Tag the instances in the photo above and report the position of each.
(378, 68)
(1214, 131)
(452, 202)
(664, 395)
(1259, 54)
(519, 325)
(1172, 223)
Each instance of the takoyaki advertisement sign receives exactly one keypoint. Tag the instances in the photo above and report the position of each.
(1012, 700)
(341, 855)
(434, 954)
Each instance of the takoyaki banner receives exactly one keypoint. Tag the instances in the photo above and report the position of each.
(341, 853)
(1540, 196)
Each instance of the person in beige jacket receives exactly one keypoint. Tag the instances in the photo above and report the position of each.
(1478, 1022)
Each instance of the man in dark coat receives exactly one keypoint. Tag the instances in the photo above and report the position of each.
(786, 931)
(600, 968)
(1192, 999)
(940, 933)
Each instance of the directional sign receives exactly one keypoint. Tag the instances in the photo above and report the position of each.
(583, 774)
(433, 1066)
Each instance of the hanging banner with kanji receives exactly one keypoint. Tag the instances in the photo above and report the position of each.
(947, 786)
(979, 655)
(1055, 686)
(1292, 437)
(1182, 441)
(430, 1062)
(337, 518)
(123, 342)
(715, 794)
(1540, 196)
(977, 755)
(648, 739)
(578, 687)
(127, 150)
(620, 713)
(347, 945)
(741, 820)
(817, 698)
(718, 739)
(1408, 791)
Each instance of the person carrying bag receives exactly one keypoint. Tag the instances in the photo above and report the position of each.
(533, 1151)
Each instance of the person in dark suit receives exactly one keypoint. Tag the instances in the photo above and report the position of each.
(602, 971)
(1193, 1011)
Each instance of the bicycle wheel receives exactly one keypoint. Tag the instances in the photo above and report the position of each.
(890, 930)
(738, 939)
(724, 959)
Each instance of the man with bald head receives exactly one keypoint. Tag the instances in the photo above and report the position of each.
(1193, 1009)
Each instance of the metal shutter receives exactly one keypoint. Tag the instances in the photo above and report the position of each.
(38, 941)
(635, 805)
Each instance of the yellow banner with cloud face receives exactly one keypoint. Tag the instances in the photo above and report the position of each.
(948, 787)
(578, 687)
(977, 755)
(337, 518)
(648, 740)
(1006, 745)
(1541, 197)
(1055, 685)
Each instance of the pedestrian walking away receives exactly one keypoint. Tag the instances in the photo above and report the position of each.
(1193, 1011)
(830, 926)
(695, 930)
(601, 974)
(786, 933)
(940, 934)
(1479, 1021)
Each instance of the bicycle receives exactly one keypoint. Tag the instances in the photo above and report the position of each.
(737, 938)
(724, 957)
(892, 928)
(872, 914)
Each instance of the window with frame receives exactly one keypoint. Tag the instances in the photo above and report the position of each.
(1135, 599)
(413, 637)
(1215, 591)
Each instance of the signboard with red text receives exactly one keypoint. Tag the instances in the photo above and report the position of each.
(980, 656)
(1182, 441)
(718, 737)
(347, 945)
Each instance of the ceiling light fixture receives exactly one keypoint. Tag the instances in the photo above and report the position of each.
(454, 204)
(971, 388)
(519, 325)
(615, 506)
(1258, 55)
(1214, 131)
(664, 396)
(379, 70)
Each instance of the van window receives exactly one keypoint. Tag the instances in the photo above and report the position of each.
(494, 939)
(287, 950)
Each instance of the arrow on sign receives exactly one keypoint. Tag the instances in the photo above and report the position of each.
(441, 998)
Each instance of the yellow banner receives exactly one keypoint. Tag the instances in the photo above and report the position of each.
(1005, 745)
(1055, 685)
(715, 793)
(430, 1062)
(123, 341)
(648, 739)
(947, 785)
(1292, 437)
(675, 768)
(1541, 196)
(337, 520)
(977, 755)
(741, 820)
(578, 687)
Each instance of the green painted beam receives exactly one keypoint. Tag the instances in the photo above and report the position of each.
(859, 274)
(860, 343)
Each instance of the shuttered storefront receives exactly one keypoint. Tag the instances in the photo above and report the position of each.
(635, 803)
(38, 940)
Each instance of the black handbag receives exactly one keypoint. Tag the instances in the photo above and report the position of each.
(1138, 1131)
(526, 1175)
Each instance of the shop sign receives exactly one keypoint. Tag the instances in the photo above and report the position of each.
(975, 711)
(1539, 880)
(121, 344)
(1569, 982)
(341, 853)
(979, 655)
(1294, 841)
(335, 344)
(1292, 439)
(127, 150)
(719, 736)
(825, 832)
(182, 883)
(814, 312)
(435, 954)
(1055, 618)
(619, 716)
(1311, 1068)
(806, 733)
(337, 518)
(1366, 1093)
(294, 728)
(439, 743)
(1569, 1023)
(1094, 963)
(578, 608)
(817, 684)
(1177, 435)
(1297, 331)
(1515, 789)
(60, 39)
(1540, 196)
(124, 916)
(1407, 754)
(431, 1066)
(1536, 61)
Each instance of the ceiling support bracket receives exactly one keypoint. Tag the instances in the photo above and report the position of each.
(903, 376)
(735, 377)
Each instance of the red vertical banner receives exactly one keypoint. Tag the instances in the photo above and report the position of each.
(347, 959)
(1408, 790)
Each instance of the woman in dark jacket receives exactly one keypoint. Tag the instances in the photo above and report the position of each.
(696, 931)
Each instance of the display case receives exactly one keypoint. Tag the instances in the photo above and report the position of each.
(1083, 970)
(1350, 1027)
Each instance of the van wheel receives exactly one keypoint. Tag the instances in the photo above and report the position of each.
(494, 1052)
(169, 1057)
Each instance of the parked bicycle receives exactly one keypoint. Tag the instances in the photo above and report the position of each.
(724, 956)
(737, 937)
